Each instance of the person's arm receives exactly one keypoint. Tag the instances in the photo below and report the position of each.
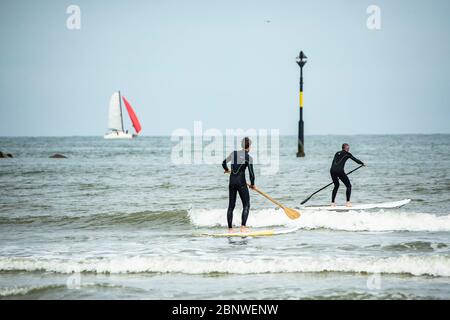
(250, 171)
(354, 159)
(224, 163)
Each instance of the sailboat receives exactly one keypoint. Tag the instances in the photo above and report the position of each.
(115, 118)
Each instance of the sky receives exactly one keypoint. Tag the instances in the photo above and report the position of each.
(230, 64)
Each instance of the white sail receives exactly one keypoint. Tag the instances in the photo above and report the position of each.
(114, 116)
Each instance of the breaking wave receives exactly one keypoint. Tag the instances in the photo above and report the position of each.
(438, 266)
(345, 221)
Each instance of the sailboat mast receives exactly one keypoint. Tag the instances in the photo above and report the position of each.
(121, 116)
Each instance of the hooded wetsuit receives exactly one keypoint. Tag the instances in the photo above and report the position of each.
(337, 172)
(240, 160)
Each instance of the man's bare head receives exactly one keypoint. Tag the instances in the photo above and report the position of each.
(346, 147)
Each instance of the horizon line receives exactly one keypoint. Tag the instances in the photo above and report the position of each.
(281, 135)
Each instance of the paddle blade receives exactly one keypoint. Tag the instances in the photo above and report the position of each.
(291, 213)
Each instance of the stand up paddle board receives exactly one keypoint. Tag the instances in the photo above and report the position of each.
(383, 205)
(259, 233)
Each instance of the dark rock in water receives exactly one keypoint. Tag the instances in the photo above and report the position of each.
(58, 156)
(5, 155)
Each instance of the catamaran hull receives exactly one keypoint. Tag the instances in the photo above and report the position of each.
(119, 135)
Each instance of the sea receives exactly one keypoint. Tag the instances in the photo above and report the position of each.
(122, 220)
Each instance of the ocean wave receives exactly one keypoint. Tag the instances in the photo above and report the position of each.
(368, 296)
(102, 219)
(345, 221)
(438, 266)
(27, 290)
(19, 291)
(415, 245)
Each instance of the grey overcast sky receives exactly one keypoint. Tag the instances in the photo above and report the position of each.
(223, 63)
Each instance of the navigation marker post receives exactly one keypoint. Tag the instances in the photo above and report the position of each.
(301, 60)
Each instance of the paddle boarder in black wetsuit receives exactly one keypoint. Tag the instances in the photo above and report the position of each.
(240, 160)
(337, 173)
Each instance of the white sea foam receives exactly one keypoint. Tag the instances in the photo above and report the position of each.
(347, 221)
(414, 265)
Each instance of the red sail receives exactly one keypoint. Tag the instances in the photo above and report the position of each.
(134, 119)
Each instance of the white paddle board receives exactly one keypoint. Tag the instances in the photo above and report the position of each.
(259, 233)
(367, 206)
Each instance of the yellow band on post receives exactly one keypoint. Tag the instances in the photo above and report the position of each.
(301, 99)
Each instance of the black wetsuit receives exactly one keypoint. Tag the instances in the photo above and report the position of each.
(240, 160)
(337, 172)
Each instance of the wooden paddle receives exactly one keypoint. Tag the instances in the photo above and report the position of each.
(291, 213)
